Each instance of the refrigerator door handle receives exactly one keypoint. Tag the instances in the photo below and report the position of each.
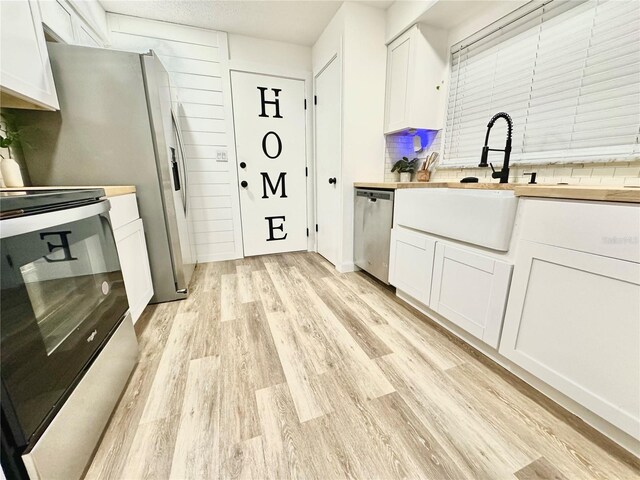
(174, 170)
(185, 193)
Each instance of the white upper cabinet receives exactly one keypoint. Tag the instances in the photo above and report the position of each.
(65, 25)
(416, 69)
(26, 80)
(59, 19)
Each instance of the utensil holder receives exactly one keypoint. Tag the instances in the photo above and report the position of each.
(423, 175)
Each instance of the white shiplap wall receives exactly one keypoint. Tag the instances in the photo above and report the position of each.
(197, 61)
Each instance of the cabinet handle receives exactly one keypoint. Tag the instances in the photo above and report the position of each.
(332, 181)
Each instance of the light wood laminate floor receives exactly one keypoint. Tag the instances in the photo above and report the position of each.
(279, 367)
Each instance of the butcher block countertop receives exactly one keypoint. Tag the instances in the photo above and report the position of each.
(398, 185)
(109, 190)
(576, 192)
(571, 192)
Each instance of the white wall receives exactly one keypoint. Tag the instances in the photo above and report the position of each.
(357, 35)
(493, 12)
(365, 55)
(268, 52)
(195, 59)
(198, 61)
(402, 14)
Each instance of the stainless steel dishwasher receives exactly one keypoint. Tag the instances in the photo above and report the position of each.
(373, 221)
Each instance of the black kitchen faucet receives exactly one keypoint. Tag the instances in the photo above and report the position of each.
(503, 174)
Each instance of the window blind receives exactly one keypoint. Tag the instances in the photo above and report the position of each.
(567, 72)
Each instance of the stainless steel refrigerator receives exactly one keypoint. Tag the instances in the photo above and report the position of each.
(116, 126)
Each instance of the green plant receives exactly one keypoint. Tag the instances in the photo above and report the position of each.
(9, 139)
(405, 165)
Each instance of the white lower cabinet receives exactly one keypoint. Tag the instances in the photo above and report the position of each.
(128, 231)
(573, 321)
(411, 263)
(470, 290)
(134, 262)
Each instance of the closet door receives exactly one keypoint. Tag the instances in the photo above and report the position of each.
(328, 137)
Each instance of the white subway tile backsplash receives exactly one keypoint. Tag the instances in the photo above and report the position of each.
(628, 171)
(581, 172)
(603, 172)
(562, 172)
(632, 181)
(611, 173)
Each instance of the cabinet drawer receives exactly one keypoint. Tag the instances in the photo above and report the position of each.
(124, 210)
(470, 290)
(411, 263)
(573, 321)
(601, 228)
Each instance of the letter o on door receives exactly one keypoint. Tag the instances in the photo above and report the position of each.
(264, 145)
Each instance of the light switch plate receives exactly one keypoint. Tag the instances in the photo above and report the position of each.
(221, 156)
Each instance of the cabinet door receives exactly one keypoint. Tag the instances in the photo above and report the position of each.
(83, 37)
(411, 263)
(134, 262)
(58, 18)
(399, 68)
(573, 321)
(25, 73)
(470, 290)
(416, 68)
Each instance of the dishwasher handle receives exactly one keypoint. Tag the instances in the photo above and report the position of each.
(373, 195)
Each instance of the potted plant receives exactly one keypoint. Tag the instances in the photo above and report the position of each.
(10, 169)
(405, 168)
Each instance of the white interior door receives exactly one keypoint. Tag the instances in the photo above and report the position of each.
(328, 142)
(270, 131)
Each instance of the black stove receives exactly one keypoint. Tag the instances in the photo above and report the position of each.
(16, 203)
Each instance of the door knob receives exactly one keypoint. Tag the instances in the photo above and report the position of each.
(243, 165)
(332, 181)
(244, 184)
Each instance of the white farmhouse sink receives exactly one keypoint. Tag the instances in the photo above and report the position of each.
(480, 217)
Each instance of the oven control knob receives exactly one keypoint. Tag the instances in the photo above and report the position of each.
(105, 288)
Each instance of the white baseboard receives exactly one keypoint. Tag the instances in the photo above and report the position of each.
(623, 439)
(346, 267)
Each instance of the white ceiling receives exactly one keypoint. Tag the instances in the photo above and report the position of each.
(299, 21)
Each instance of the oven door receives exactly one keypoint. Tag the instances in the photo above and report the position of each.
(62, 297)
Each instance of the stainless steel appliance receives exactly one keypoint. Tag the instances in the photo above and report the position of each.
(67, 340)
(372, 236)
(116, 127)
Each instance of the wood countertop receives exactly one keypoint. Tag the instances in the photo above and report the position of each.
(571, 192)
(399, 185)
(109, 190)
(576, 192)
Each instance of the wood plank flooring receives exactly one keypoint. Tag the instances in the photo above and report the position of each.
(278, 367)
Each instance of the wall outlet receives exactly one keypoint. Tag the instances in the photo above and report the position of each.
(221, 156)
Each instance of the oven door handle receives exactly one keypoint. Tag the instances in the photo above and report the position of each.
(10, 227)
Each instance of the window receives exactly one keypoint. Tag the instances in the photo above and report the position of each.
(567, 72)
